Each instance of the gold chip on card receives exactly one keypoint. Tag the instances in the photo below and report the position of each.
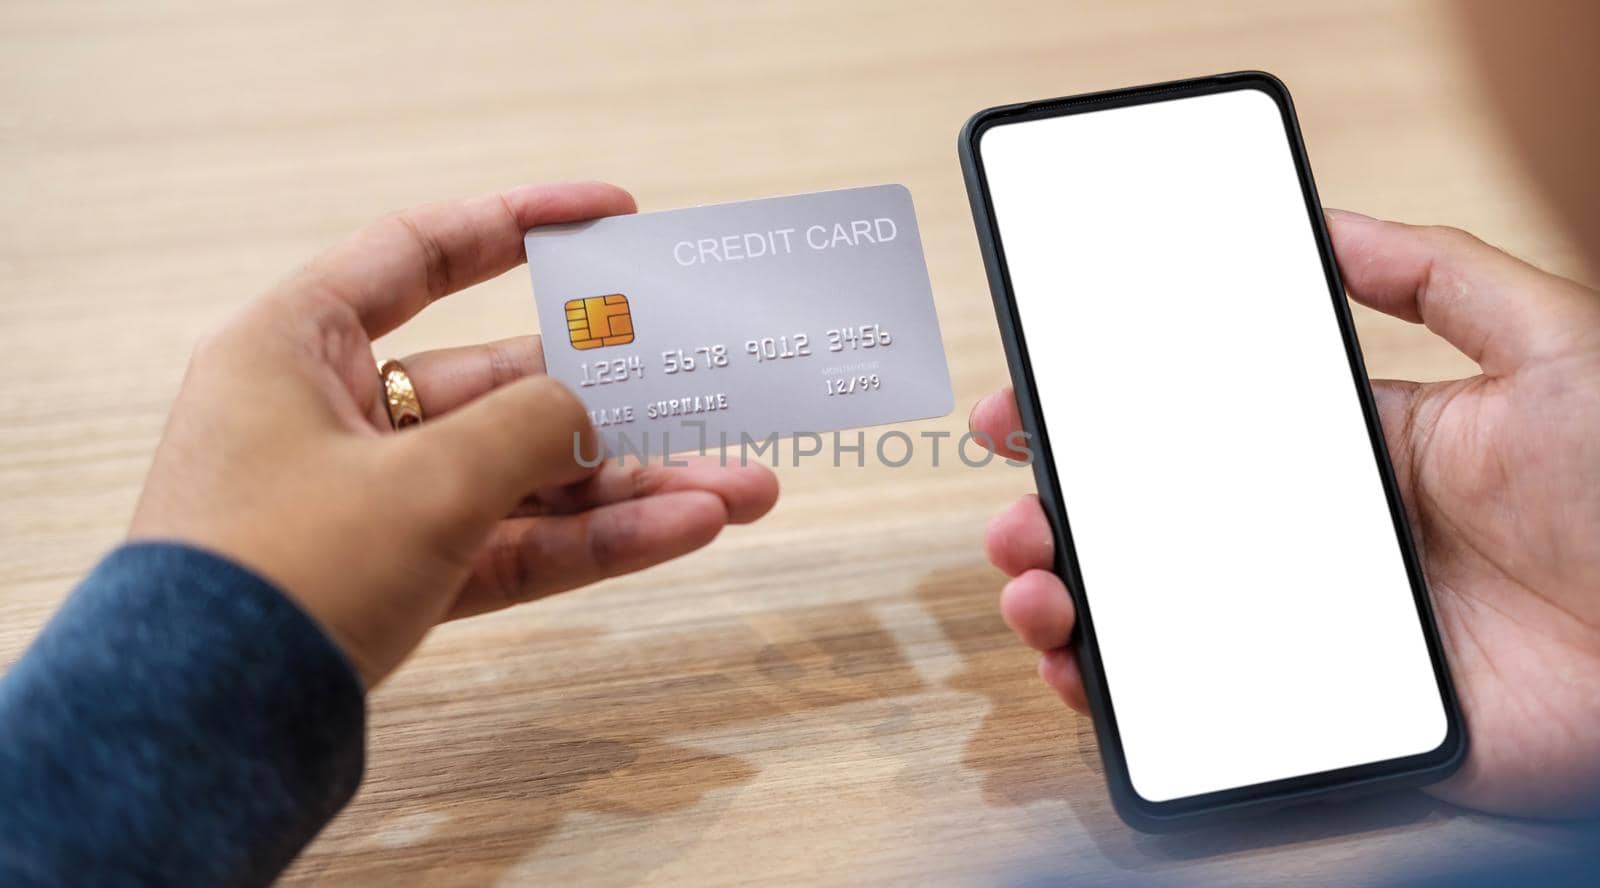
(599, 321)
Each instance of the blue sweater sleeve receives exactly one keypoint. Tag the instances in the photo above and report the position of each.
(179, 720)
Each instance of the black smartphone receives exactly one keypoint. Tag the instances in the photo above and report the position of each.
(1253, 625)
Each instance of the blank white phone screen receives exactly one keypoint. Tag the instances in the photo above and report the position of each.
(1239, 560)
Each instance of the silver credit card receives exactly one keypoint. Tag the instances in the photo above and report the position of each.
(743, 321)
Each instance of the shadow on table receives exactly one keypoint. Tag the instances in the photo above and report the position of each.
(496, 791)
(472, 790)
(494, 799)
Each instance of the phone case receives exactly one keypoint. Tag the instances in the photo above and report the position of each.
(1138, 812)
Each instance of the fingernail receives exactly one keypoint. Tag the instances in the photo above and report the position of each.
(1347, 215)
(972, 415)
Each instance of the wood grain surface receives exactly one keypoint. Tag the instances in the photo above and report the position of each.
(826, 697)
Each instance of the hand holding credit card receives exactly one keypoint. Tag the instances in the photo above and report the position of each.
(703, 327)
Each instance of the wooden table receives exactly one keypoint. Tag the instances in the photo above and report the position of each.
(828, 696)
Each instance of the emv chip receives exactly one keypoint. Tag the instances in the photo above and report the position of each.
(599, 321)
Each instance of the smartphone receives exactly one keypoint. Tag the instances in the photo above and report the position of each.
(1253, 625)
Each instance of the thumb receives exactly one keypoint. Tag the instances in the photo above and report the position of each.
(1495, 308)
(482, 459)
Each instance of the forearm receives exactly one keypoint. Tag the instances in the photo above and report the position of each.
(179, 720)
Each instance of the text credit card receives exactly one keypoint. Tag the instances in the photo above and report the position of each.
(707, 326)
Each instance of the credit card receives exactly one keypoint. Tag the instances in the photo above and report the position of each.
(703, 327)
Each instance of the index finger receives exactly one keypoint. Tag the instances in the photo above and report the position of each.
(393, 268)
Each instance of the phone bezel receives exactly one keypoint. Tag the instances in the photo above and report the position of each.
(1139, 812)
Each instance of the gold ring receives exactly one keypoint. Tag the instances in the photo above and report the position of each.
(399, 394)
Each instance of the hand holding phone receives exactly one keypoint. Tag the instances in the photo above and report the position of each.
(1518, 639)
(1148, 250)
